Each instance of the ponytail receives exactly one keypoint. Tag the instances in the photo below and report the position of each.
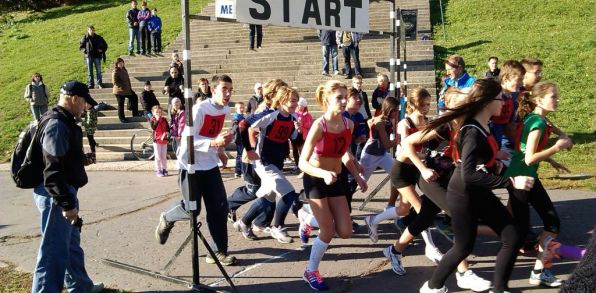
(415, 98)
(528, 100)
(325, 90)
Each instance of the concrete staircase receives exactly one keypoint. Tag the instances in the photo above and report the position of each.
(291, 54)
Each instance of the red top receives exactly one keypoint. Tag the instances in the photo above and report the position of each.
(506, 111)
(334, 145)
(160, 131)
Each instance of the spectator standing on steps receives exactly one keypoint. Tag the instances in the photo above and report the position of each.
(60, 260)
(256, 99)
(37, 94)
(122, 89)
(143, 16)
(349, 42)
(255, 29)
(133, 28)
(154, 24)
(94, 47)
(329, 46)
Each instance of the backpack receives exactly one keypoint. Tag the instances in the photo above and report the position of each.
(26, 161)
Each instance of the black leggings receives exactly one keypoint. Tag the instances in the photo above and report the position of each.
(432, 201)
(520, 201)
(466, 209)
(92, 142)
(132, 101)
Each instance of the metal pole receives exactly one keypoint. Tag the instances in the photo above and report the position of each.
(190, 145)
(442, 20)
(398, 61)
(405, 58)
(392, 48)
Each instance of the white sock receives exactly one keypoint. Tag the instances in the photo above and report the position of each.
(311, 220)
(317, 250)
(390, 213)
(428, 239)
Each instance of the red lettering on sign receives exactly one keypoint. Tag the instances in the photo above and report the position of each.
(212, 125)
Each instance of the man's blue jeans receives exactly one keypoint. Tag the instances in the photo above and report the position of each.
(60, 261)
(326, 51)
(134, 34)
(91, 62)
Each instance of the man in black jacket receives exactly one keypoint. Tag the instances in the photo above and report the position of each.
(60, 261)
(94, 47)
(132, 18)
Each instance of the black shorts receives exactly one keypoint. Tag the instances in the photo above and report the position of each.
(315, 187)
(404, 174)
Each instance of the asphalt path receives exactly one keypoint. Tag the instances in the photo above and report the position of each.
(121, 210)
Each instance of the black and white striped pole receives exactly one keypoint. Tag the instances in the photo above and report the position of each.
(392, 25)
(398, 39)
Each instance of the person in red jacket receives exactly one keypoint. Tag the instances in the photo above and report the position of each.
(160, 127)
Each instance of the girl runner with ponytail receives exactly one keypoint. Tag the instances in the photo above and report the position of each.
(469, 193)
(436, 170)
(530, 151)
(324, 151)
(404, 177)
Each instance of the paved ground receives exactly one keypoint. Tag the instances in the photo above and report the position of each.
(121, 209)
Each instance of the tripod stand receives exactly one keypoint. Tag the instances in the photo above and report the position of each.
(163, 274)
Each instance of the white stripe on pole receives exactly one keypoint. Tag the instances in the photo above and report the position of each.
(392, 14)
(186, 54)
(397, 22)
(392, 61)
(398, 62)
(405, 82)
(391, 87)
(405, 66)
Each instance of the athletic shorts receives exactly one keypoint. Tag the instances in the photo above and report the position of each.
(316, 188)
(403, 174)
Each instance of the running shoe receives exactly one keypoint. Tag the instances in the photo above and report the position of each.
(395, 260)
(162, 232)
(545, 278)
(281, 235)
(232, 216)
(314, 280)
(549, 251)
(304, 232)
(433, 253)
(245, 230)
(372, 229)
(223, 258)
(469, 280)
(258, 228)
(426, 289)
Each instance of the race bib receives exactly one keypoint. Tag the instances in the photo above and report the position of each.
(212, 125)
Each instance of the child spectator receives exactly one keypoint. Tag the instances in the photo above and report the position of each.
(511, 78)
(177, 63)
(37, 94)
(143, 16)
(533, 74)
(148, 98)
(236, 118)
(204, 91)
(493, 71)
(364, 106)
(380, 92)
(154, 24)
(305, 119)
(256, 99)
(177, 120)
(90, 125)
(160, 127)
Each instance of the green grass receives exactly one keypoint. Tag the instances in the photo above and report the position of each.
(559, 33)
(48, 43)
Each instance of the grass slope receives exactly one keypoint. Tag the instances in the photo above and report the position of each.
(560, 33)
(48, 43)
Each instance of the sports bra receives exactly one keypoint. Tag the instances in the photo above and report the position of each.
(334, 145)
(412, 128)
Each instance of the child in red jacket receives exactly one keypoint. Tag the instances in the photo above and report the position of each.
(160, 127)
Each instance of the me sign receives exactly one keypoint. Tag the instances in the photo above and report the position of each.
(344, 15)
(225, 8)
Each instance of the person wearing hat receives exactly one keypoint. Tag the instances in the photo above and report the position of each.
(60, 260)
(457, 77)
(148, 98)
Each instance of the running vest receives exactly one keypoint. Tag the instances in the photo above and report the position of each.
(334, 145)
(374, 146)
(492, 143)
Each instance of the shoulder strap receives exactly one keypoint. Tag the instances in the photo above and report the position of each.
(475, 126)
(324, 124)
(410, 122)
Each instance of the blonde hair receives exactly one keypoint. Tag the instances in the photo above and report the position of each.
(415, 98)
(270, 88)
(528, 101)
(325, 90)
(283, 95)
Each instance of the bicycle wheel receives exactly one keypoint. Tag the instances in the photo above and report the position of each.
(141, 145)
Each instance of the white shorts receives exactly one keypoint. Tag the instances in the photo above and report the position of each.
(370, 163)
(273, 182)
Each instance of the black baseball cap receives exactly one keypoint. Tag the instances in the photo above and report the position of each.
(75, 88)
